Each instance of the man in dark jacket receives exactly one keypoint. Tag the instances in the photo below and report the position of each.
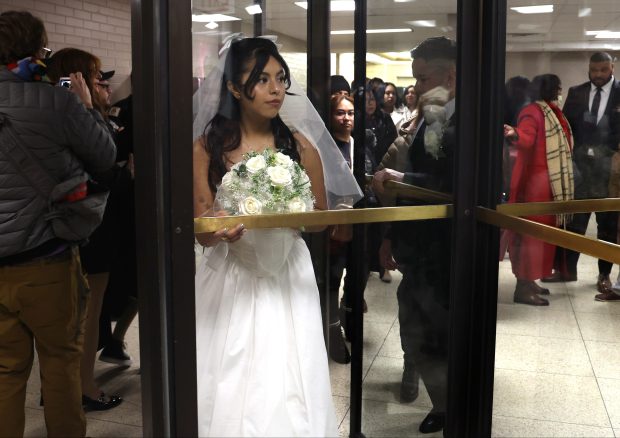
(422, 248)
(42, 291)
(593, 111)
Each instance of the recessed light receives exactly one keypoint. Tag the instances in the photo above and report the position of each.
(540, 9)
(608, 35)
(208, 18)
(593, 32)
(334, 5)
(423, 23)
(584, 12)
(212, 25)
(254, 9)
(351, 31)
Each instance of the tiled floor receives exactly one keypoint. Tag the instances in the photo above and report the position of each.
(557, 369)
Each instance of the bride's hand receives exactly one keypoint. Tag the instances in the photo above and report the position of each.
(223, 235)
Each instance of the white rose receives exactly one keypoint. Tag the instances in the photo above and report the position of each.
(255, 164)
(227, 180)
(279, 176)
(283, 160)
(296, 205)
(250, 205)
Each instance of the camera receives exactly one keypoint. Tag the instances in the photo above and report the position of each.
(64, 82)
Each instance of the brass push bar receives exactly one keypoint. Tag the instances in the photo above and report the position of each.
(556, 236)
(560, 207)
(323, 218)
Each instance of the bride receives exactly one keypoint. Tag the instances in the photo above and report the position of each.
(262, 363)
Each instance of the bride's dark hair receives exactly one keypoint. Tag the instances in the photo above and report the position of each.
(223, 132)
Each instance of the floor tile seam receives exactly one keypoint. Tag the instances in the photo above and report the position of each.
(551, 421)
(552, 337)
(583, 340)
(376, 354)
(411, 405)
(547, 337)
(345, 416)
(608, 378)
(610, 426)
(601, 342)
(543, 372)
(89, 418)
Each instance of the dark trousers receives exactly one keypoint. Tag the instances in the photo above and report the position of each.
(423, 313)
(339, 256)
(607, 227)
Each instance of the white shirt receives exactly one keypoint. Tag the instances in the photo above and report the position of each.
(605, 92)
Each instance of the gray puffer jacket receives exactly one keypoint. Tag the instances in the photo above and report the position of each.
(67, 139)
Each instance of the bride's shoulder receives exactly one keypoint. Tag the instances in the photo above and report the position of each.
(200, 151)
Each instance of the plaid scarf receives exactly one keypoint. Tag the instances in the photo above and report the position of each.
(30, 69)
(559, 159)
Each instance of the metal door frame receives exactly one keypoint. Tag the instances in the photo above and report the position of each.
(161, 43)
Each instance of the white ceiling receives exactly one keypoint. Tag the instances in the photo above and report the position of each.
(562, 30)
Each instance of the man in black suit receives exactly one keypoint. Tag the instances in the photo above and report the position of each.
(593, 111)
(422, 248)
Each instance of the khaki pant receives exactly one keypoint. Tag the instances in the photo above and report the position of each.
(43, 303)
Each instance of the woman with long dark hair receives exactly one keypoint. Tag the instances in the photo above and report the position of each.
(262, 363)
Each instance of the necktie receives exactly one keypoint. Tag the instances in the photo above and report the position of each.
(596, 102)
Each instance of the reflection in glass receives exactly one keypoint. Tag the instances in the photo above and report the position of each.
(539, 350)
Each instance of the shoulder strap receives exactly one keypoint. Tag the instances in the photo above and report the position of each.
(23, 160)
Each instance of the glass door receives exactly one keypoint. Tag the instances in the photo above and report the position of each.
(442, 303)
(556, 288)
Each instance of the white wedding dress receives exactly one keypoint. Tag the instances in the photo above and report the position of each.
(262, 363)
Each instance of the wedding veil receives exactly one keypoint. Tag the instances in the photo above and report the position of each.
(298, 114)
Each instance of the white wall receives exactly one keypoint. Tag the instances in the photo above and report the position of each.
(101, 27)
(571, 67)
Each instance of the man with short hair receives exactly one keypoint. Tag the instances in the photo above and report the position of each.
(593, 111)
(422, 248)
(47, 133)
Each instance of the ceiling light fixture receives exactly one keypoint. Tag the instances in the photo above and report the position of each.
(608, 35)
(423, 23)
(254, 9)
(584, 12)
(540, 9)
(208, 18)
(211, 25)
(334, 5)
(351, 31)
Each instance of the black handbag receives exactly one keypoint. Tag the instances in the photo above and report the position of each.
(73, 221)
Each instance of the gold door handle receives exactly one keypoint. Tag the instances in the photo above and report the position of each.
(323, 218)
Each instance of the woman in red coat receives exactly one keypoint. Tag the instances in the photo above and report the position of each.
(543, 141)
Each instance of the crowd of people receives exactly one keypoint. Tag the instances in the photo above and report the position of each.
(67, 228)
(258, 326)
(560, 153)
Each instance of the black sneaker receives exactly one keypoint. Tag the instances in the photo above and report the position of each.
(115, 352)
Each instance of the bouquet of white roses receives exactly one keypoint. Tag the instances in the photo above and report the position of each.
(264, 183)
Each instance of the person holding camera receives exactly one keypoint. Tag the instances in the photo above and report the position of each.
(50, 138)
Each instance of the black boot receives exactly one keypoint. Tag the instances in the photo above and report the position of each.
(410, 384)
(346, 320)
(338, 350)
